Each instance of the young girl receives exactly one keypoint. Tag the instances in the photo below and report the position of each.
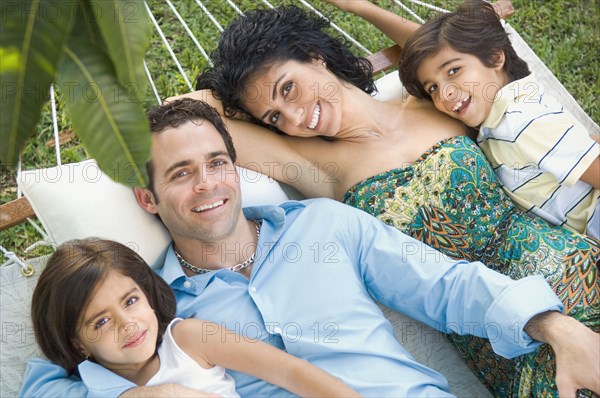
(97, 300)
(545, 159)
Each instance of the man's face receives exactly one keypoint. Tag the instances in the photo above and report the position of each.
(196, 184)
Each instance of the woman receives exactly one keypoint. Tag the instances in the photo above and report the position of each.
(401, 161)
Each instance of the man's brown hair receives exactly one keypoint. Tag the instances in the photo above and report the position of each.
(174, 114)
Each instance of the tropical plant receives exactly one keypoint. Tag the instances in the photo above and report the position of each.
(93, 51)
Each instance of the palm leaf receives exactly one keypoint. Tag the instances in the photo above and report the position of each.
(126, 29)
(32, 35)
(112, 127)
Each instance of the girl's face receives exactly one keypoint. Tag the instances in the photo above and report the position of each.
(300, 99)
(118, 328)
(460, 85)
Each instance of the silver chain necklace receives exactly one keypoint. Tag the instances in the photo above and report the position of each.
(234, 268)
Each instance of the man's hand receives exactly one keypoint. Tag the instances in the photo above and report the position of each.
(166, 390)
(577, 351)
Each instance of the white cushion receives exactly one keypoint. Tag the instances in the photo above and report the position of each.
(389, 87)
(77, 200)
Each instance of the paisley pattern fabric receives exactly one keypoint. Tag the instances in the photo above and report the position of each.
(451, 200)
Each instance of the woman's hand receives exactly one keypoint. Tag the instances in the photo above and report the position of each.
(202, 95)
(352, 6)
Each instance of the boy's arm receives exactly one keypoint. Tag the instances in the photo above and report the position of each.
(592, 174)
(552, 139)
(393, 26)
(577, 351)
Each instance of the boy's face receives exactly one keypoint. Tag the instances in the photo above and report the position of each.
(460, 85)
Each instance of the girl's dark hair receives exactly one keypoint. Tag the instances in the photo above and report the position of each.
(65, 287)
(472, 29)
(264, 36)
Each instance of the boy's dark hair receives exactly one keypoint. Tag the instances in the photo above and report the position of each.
(473, 28)
(65, 287)
(265, 36)
(174, 114)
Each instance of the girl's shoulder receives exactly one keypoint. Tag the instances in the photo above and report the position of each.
(191, 326)
(190, 336)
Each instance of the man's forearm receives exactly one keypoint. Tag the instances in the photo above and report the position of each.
(46, 379)
(576, 347)
(548, 327)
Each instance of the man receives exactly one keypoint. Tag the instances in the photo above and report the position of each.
(301, 275)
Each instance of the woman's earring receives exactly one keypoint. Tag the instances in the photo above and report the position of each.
(325, 64)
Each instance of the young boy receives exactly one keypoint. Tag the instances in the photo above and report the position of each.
(546, 160)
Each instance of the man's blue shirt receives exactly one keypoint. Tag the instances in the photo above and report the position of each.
(318, 266)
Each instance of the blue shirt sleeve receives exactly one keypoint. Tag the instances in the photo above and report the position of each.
(449, 295)
(46, 379)
(101, 382)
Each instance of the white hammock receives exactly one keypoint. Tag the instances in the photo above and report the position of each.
(17, 342)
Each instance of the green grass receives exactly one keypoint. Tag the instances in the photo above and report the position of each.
(565, 35)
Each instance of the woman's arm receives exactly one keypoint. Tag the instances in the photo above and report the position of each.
(207, 342)
(291, 160)
(393, 26)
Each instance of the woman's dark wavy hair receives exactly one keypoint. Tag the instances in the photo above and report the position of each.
(473, 28)
(66, 286)
(264, 36)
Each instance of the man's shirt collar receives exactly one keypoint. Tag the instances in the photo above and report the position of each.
(274, 219)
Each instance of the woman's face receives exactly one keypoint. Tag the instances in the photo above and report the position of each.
(300, 99)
